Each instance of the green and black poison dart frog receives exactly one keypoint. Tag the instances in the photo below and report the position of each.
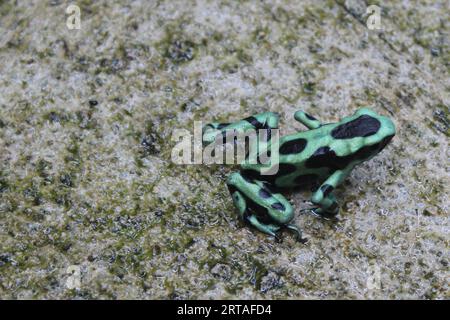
(325, 154)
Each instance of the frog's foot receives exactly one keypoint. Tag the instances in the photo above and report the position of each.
(297, 231)
(270, 229)
(327, 208)
(319, 212)
(275, 230)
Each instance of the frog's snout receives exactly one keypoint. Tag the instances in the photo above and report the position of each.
(392, 127)
(388, 127)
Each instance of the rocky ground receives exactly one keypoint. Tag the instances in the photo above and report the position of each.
(91, 205)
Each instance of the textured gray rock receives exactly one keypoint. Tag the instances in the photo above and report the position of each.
(92, 207)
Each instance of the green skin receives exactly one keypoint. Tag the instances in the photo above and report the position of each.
(324, 154)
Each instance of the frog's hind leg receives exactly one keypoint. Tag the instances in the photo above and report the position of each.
(247, 213)
(307, 120)
(266, 120)
(266, 211)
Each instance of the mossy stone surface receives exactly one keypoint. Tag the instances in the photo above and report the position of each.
(88, 190)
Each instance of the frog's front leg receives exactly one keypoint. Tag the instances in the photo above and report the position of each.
(267, 211)
(324, 197)
(309, 121)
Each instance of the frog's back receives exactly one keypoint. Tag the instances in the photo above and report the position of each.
(335, 146)
(298, 147)
(354, 138)
(294, 155)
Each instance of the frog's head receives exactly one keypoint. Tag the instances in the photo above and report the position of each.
(377, 130)
(368, 133)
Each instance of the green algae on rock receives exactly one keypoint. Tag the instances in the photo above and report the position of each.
(91, 187)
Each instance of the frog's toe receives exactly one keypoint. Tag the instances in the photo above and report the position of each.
(298, 231)
(278, 238)
(316, 211)
(308, 210)
(327, 215)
